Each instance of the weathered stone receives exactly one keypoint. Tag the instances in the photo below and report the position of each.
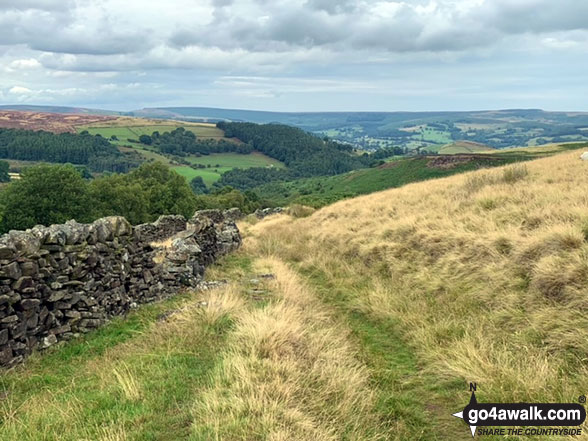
(22, 283)
(11, 271)
(5, 355)
(7, 249)
(30, 303)
(233, 214)
(56, 235)
(57, 295)
(48, 341)
(29, 268)
(74, 275)
(3, 336)
(73, 314)
(25, 242)
(9, 319)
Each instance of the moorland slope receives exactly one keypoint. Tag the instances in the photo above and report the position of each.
(364, 320)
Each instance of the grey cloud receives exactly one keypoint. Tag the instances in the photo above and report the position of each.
(45, 5)
(333, 6)
(62, 32)
(536, 16)
(361, 25)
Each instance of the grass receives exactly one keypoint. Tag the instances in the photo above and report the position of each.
(380, 311)
(321, 191)
(461, 147)
(484, 283)
(133, 379)
(235, 160)
(317, 192)
(221, 163)
(127, 127)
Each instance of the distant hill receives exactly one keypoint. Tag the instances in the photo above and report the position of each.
(460, 147)
(422, 131)
(60, 109)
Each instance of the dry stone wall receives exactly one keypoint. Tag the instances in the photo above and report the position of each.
(59, 281)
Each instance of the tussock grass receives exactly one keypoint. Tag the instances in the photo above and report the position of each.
(289, 372)
(486, 271)
(297, 210)
(127, 382)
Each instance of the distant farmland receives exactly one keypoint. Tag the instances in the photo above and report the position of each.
(217, 164)
(131, 128)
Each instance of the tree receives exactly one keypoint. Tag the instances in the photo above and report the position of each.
(45, 195)
(4, 168)
(167, 191)
(145, 139)
(198, 186)
(116, 196)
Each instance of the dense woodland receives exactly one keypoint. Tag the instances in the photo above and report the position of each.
(94, 151)
(181, 142)
(304, 154)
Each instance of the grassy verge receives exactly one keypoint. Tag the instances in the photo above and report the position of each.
(135, 379)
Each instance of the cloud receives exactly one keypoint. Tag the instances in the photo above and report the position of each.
(24, 64)
(19, 90)
(217, 48)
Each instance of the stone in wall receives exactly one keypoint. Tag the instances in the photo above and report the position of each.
(59, 281)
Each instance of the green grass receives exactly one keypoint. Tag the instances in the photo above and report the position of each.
(405, 393)
(321, 191)
(399, 171)
(134, 131)
(136, 378)
(235, 160)
(460, 147)
(221, 163)
(73, 392)
(208, 175)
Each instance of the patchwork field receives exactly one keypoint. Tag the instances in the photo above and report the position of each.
(464, 147)
(125, 128)
(217, 164)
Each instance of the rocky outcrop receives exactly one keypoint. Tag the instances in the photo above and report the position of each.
(59, 281)
(264, 212)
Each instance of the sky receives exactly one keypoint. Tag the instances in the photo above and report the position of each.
(296, 55)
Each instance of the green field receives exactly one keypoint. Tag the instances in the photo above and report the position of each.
(123, 133)
(221, 163)
(460, 147)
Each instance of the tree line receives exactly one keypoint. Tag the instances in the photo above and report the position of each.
(53, 194)
(182, 142)
(94, 151)
(304, 154)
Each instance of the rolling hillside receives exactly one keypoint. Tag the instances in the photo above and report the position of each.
(365, 320)
(426, 131)
(460, 147)
(399, 171)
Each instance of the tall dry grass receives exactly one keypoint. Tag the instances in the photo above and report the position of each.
(487, 271)
(289, 373)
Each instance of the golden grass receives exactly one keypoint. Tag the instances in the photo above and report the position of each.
(289, 373)
(487, 271)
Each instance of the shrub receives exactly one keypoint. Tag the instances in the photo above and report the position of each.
(515, 173)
